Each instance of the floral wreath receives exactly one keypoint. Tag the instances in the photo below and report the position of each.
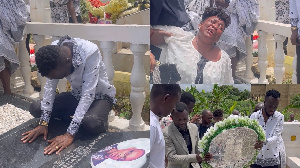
(230, 123)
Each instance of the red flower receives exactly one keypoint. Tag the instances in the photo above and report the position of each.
(107, 15)
(93, 20)
(31, 51)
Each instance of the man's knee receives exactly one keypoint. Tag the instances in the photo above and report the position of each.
(35, 109)
(93, 125)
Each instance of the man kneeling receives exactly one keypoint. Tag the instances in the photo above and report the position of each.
(181, 140)
(90, 100)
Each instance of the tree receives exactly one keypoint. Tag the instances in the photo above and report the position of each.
(225, 97)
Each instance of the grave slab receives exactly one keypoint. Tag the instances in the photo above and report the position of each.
(16, 154)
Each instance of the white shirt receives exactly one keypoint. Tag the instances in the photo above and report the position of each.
(88, 81)
(295, 14)
(157, 143)
(269, 155)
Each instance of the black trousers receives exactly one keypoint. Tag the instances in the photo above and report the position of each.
(258, 166)
(298, 63)
(65, 104)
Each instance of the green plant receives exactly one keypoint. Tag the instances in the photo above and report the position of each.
(125, 114)
(255, 54)
(294, 104)
(84, 12)
(225, 97)
(123, 107)
(34, 68)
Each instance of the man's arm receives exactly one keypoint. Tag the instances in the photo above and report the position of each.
(90, 81)
(71, 10)
(46, 109)
(294, 13)
(48, 99)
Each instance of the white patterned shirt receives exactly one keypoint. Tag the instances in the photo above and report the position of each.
(295, 14)
(157, 143)
(269, 155)
(88, 81)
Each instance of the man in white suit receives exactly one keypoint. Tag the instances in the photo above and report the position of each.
(181, 140)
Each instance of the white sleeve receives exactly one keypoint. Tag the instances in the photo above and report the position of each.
(228, 79)
(90, 81)
(153, 135)
(48, 99)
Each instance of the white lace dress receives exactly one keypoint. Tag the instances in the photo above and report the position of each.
(244, 15)
(13, 17)
(188, 64)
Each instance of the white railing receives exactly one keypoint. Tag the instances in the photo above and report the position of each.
(280, 31)
(106, 36)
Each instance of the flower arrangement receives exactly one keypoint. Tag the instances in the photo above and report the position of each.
(109, 10)
(230, 123)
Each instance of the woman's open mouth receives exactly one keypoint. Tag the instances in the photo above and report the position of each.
(211, 32)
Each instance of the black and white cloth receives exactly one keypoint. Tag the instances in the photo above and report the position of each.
(13, 18)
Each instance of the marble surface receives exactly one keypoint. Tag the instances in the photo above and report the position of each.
(16, 154)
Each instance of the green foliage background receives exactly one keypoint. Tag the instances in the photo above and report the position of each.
(225, 97)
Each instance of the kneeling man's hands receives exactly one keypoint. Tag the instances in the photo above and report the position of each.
(31, 135)
(59, 143)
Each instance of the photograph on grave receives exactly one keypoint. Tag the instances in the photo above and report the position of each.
(81, 64)
(131, 153)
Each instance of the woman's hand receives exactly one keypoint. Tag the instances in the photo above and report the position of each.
(157, 37)
(152, 62)
(30, 136)
(59, 143)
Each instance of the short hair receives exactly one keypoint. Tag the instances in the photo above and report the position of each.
(218, 113)
(47, 59)
(235, 112)
(180, 107)
(163, 89)
(205, 112)
(187, 98)
(219, 12)
(273, 93)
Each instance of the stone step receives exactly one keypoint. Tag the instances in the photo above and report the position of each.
(293, 162)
